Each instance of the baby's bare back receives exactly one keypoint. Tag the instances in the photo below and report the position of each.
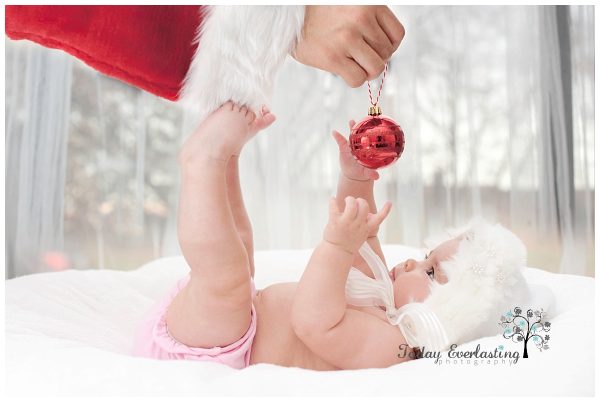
(275, 341)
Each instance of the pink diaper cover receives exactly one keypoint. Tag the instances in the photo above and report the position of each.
(152, 338)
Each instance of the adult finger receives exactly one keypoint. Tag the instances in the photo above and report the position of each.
(376, 37)
(391, 26)
(350, 209)
(368, 59)
(352, 72)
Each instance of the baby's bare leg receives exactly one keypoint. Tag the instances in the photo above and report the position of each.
(234, 191)
(238, 209)
(214, 308)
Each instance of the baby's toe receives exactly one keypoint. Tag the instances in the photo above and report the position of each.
(250, 116)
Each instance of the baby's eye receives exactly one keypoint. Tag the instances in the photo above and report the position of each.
(431, 272)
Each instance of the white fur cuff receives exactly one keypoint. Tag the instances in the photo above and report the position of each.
(240, 49)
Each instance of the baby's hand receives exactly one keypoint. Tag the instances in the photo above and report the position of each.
(350, 167)
(349, 229)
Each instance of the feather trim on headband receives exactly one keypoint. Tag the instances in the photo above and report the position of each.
(484, 279)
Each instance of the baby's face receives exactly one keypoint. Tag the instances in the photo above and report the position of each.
(412, 278)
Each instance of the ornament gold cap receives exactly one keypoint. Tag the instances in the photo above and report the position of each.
(374, 111)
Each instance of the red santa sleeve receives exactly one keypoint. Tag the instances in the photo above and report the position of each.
(201, 55)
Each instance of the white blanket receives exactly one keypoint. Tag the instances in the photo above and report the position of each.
(69, 333)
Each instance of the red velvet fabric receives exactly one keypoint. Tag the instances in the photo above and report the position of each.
(146, 46)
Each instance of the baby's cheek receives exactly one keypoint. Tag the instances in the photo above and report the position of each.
(410, 290)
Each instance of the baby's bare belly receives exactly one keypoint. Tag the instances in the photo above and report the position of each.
(275, 341)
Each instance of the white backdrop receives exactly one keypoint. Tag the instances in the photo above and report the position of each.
(497, 105)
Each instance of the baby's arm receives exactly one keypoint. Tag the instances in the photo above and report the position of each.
(357, 181)
(361, 189)
(345, 338)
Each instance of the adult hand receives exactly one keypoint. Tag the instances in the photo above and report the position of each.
(354, 42)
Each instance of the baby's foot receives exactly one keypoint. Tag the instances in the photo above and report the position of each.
(260, 123)
(224, 133)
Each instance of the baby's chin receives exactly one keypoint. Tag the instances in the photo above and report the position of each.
(400, 302)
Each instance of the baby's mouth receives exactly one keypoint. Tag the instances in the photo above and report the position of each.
(393, 274)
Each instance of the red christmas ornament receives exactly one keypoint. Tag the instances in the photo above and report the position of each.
(376, 141)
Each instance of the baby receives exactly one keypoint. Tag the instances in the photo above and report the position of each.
(216, 314)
